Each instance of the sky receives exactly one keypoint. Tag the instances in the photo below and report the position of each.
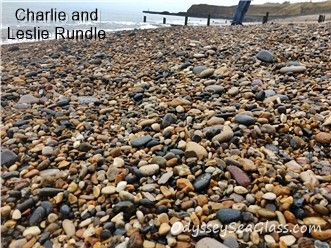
(159, 5)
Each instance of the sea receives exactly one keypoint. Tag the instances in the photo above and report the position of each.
(110, 17)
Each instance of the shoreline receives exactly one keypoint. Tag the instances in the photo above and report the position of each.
(298, 19)
(144, 138)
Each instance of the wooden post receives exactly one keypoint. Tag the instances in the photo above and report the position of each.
(208, 20)
(265, 18)
(320, 18)
(164, 20)
(145, 18)
(186, 19)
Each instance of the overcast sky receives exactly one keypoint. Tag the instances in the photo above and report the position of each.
(157, 5)
(183, 5)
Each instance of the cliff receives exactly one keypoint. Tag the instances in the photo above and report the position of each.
(256, 12)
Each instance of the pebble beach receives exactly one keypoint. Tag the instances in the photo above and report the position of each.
(136, 140)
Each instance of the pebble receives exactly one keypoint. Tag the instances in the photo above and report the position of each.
(228, 215)
(149, 170)
(47, 151)
(214, 88)
(29, 99)
(142, 141)
(37, 216)
(265, 56)
(269, 196)
(209, 243)
(193, 149)
(288, 239)
(202, 182)
(239, 175)
(177, 228)
(16, 214)
(69, 227)
(164, 229)
(323, 138)
(108, 190)
(8, 157)
(295, 69)
(319, 244)
(121, 186)
(31, 231)
(244, 119)
(206, 73)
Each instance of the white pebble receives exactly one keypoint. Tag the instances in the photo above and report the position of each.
(121, 186)
(177, 228)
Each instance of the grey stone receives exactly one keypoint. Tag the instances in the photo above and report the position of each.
(87, 99)
(265, 56)
(202, 182)
(244, 119)
(228, 215)
(218, 89)
(209, 243)
(198, 69)
(8, 157)
(141, 141)
(28, 99)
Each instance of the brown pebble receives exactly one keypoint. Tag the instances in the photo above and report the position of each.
(290, 217)
(323, 138)
(239, 175)
(321, 235)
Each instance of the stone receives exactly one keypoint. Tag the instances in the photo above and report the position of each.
(16, 214)
(209, 243)
(315, 221)
(164, 229)
(87, 99)
(265, 56)
(121, 186)
(309, 177)
(69, 228)
(233, 91)
(165, 177)
(228, 215)
(288, 239)
(37, 216)
(294, 69)
(240, 190)
(168, 120)
(198, 69)
(247, 164)
(31, 231)
(140, 142)
(269, 196)
(149, 169)
(202, 182)
(322, 234)
(161, 161)
(108, 190)
(231, 242)
(239, 175)
(320, 244)
(217, 89)
(128, 208)
(224, 136)
(266, 213)
(29, 99)
(47, 151)
(8, 157)
(323, 138)
(206, 73)
(18, 243)
(244, 119)
(193, 149)
(135, 241)
(177, 228)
